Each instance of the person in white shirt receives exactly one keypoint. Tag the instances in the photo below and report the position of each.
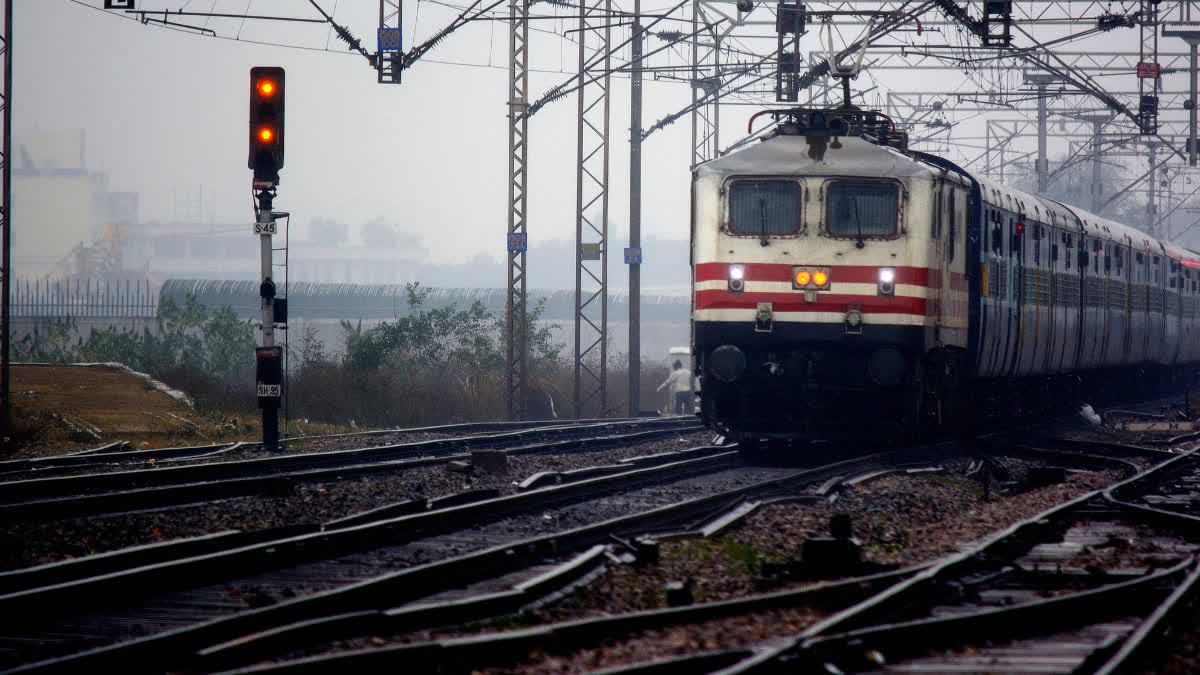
(680, 383)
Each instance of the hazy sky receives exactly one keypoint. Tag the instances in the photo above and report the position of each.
(165, 110)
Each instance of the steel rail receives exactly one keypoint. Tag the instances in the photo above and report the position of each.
(459, 652)
(75, 569)
(409, 584)
(202, 492)
(78, 594)
(118, 452)
(854, 625)
(277, 466)
(508, 647)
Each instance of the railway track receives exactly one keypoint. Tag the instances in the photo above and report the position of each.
(118, 491)
(1084, 587)
(1012, 604)
(375, 566)
(510, 647)
(117, 455)
(319, 567)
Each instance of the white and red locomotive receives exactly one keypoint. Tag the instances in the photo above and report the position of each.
(841, 283)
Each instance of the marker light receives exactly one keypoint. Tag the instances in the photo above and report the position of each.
(820, 278)
(737, 278)
(266, 88)
(266, 134)
(1020, 228)
(887, 281)
(803, 277)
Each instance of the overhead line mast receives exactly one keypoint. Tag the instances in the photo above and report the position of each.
(516, 362)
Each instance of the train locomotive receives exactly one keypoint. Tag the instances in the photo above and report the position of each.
(843, 283)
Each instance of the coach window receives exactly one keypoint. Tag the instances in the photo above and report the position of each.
(863, 209)
(764, 208)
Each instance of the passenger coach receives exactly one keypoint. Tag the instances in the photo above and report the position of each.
(842, 283)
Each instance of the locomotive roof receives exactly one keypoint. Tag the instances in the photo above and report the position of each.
(788, 155)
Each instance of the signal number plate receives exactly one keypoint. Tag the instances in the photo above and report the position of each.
(264, 228)
(269, 390)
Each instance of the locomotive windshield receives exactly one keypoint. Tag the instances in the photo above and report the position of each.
(764, 208)
(863, 209)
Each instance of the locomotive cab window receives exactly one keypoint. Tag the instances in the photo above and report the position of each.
(764, 208)
(863, 209)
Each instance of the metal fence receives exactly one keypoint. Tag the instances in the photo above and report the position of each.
(115, 299)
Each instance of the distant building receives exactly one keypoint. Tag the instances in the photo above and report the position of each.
(66, 220)
(163, 250)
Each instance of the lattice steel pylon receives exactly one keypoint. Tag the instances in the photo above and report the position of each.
(387, 63)
(1148, 70)
(706, 81)
(5, 218)
(591, 213)
(517, 357)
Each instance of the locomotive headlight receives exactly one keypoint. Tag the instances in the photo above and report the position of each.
(803, 278)
(887, 281)
(820, 278)
(737, 278)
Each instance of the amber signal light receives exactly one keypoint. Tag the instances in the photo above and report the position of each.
(808, 278)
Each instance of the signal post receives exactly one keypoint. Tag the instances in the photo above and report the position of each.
(265, 159)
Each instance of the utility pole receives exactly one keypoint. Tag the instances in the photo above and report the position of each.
(591, 212)
(6, 223)
(516, 358)
(268, 359)
(1041, 80)
(1188, 28)
(1097, 187)
(1149, 71)
(633, 254)
(1152, 185)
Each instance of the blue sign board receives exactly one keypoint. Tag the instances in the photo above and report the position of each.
(518, 242)
(633, 255)
(391, 40)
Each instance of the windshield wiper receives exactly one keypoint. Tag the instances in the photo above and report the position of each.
(857, 221)
(762, 220)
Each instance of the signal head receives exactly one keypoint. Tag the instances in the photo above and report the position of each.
(267, 89)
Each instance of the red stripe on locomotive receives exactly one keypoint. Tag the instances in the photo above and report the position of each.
(851, 274)
(825, 302)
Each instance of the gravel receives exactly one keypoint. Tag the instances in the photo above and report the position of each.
(893, 515)
(905, 520)
(23, 544)
(671, 641)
